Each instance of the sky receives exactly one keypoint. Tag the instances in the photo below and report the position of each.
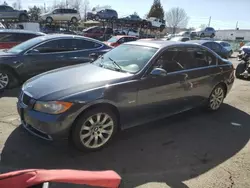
(224, 13)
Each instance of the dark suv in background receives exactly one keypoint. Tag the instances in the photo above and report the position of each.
(7, 12)
(102, 14)
(12, 37)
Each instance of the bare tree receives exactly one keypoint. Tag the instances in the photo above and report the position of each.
(176, 18)
(19, 4)
(14, 5)
(76, 4)
(85, 9)
(203, 26)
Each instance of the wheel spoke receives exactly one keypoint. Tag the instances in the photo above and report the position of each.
(107, 131)
(109, 124)
(104, 119)
(89, 140)
(85, 127)
(91, 121)
(86, 135)
(101, 137)
(96, 141)
(98, 118)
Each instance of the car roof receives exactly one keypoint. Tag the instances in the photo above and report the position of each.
(20, 31)
(199, 41)
(66, 36)
(120, 36)
(155, 43)
(220, 41)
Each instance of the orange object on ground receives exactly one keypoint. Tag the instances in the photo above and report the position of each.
(31, 177)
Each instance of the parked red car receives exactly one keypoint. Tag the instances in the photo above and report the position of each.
(97, 32)
(12, 37)
(119, 39)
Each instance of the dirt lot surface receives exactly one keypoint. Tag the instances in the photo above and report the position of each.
(194, 149)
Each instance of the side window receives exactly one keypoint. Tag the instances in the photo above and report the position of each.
(79, 44)
(211, 58)
(21, 37)
(7, 8)
(216, 47)
(198, 57)
(73, 11)
(7, 37)
(171, 60)
(62, 45)
(185, 39)
(208, 44)
(121, 40)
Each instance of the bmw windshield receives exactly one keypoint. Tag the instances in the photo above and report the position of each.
(25, 45)
(126, 58)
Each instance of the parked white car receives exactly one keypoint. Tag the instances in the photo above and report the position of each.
(129, 32)
(62, 14)
(155, 22)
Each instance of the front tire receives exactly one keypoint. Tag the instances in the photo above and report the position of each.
(216, 98)
(94, 129)
(240, 69)
(202, 35)
(49, 20)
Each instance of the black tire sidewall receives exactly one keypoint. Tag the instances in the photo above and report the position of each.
(74, 20)
(240, 67)
(49, 20)
(75, 138)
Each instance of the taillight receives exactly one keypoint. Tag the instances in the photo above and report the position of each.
(112, 44)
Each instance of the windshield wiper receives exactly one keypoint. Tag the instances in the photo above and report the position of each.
(114, 63)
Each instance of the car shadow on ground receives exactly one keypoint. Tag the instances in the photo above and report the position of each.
(10, 92)
(169, 151)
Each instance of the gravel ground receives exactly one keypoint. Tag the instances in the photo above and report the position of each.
(193, 149)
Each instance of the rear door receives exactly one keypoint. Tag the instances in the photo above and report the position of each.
(201, 70)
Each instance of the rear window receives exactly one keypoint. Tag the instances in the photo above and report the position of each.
(16, 37)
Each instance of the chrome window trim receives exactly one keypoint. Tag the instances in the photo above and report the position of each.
(26, 53)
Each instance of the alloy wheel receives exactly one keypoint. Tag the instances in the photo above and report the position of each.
(4, 80)
(216, 98)
(96, 130)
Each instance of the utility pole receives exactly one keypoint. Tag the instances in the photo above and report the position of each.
(236, 25)
(209, 21)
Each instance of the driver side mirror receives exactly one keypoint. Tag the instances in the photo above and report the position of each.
(158, 72)
(33, 52)
(93, 56)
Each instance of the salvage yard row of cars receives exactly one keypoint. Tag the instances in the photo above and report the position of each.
(81, 89)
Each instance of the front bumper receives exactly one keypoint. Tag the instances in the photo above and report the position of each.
(46, 126)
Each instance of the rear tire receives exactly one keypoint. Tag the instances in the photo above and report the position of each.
(240, 69)
(216, 98)
(6, 79)
(212, 36)
(97, 17)
(23, 18)
(94, 129)
(202, 35)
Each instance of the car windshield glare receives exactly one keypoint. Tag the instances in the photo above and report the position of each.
(113, 39)
(25, 45)
(126, 58)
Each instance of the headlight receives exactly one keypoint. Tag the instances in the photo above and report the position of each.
(52, 107)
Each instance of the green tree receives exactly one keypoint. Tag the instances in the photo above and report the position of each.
(34, 12)
(156, 10)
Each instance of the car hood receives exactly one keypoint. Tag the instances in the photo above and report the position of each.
(6, 54)
(67, 81)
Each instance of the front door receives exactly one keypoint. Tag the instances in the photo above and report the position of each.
(164, 95)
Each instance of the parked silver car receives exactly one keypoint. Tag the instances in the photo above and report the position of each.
(7, 12)
(205, 32)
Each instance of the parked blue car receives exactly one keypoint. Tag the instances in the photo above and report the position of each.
(102, 14)
(46, 53)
